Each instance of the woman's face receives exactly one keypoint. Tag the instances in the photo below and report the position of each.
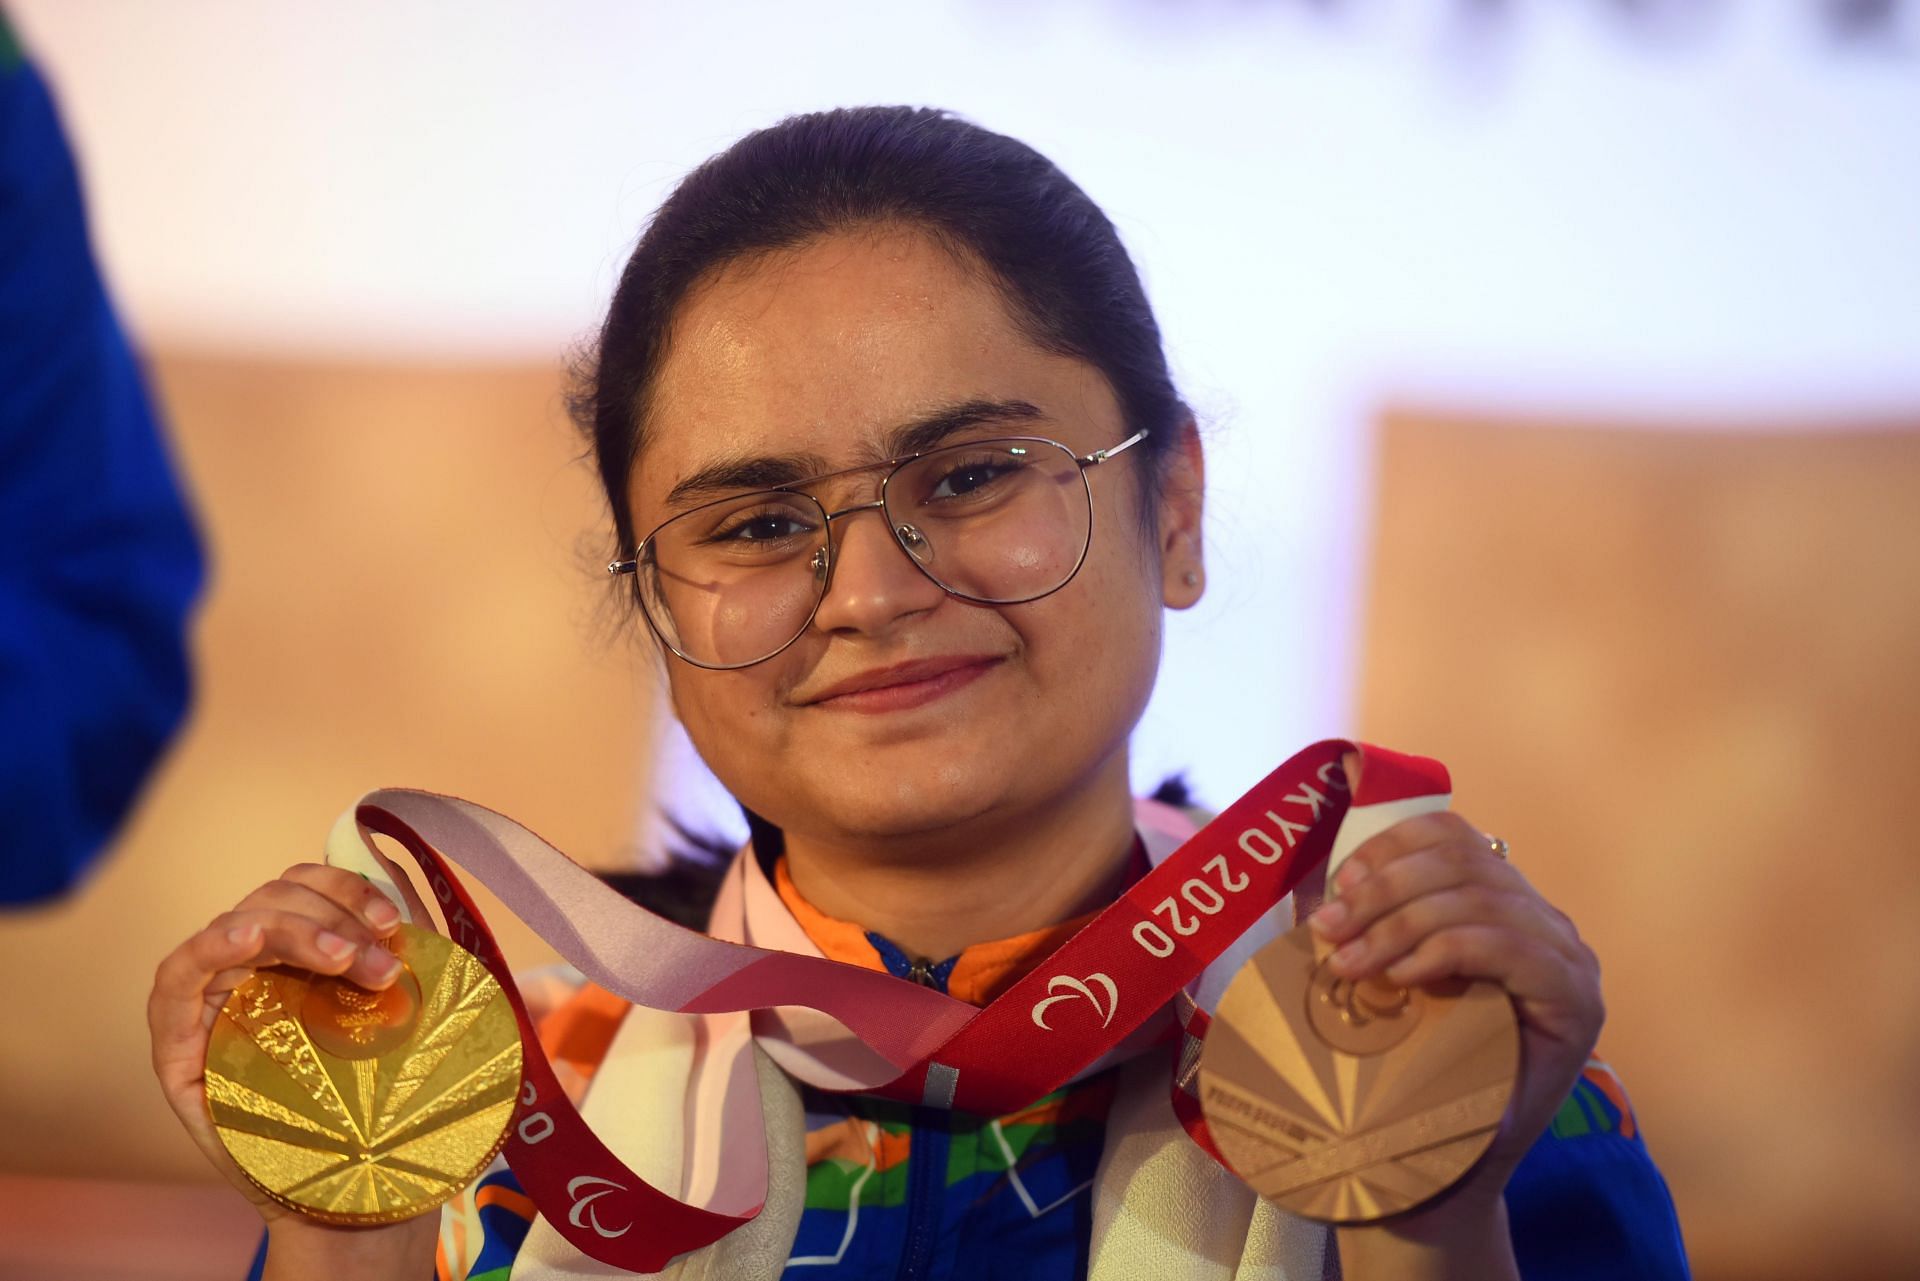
(813, 361)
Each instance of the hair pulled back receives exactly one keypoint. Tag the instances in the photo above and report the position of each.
(1051, 252)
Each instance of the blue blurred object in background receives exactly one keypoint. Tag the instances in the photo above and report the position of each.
(99, 561)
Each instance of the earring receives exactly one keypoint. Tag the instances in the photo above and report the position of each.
(1190, 578)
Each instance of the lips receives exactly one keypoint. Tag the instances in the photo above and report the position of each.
(903, 685)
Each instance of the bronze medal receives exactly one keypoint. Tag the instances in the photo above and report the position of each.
(1350, 1102)
(360, 1107)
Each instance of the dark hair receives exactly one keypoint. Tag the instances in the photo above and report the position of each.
(1048, 248)
(996, 202)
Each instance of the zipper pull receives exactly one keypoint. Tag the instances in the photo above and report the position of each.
(921, 972)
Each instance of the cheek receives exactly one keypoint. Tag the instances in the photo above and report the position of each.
(725, 714)
(1123, 569)
(1099, 636)
(1132, 612)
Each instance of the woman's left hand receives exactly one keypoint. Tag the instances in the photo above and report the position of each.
(1428, 899)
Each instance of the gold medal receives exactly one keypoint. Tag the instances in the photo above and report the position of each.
(360, 1107)
(1349, 1102)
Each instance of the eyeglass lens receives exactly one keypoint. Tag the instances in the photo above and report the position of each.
(998, 522)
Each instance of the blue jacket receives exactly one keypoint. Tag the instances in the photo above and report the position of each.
(98, 559)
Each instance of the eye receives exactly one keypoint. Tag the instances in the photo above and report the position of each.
(970, 477)
(766, 526)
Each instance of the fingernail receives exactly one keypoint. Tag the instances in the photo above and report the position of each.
(332, 945)
(1351, 955)
(382, 914)
(382, 964)
(1330, 916)
(1351, 873)
(244, 935)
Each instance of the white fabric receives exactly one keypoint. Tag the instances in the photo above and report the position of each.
(633, 1104)
(1163, 1208)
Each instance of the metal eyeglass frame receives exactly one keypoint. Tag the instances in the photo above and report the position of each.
(823, 558)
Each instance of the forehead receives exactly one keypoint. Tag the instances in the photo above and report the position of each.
(820, 351)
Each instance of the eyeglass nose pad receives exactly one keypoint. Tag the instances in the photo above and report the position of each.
(819, 563)
(915, 542)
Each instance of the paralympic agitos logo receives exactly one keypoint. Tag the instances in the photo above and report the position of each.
(1073, 989)
(583, 1200)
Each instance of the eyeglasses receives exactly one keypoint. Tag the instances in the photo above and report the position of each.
(995, 522)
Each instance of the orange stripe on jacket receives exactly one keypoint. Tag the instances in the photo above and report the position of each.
(507, 1198)
(1602, 1077)
(984, 970)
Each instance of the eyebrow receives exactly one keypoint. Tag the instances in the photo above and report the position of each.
(743, 473)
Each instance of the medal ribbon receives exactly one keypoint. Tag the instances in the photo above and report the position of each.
(1118, 976)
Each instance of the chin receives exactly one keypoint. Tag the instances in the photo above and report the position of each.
(898, 798)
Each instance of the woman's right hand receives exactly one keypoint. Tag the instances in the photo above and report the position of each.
(324, 919)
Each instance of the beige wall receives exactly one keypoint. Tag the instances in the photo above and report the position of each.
(1680, 672)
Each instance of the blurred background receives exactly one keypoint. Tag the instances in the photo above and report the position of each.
(1560, 364)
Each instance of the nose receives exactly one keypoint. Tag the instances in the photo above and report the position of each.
(874, 584)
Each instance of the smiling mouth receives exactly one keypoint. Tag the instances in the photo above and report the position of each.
(906, 686)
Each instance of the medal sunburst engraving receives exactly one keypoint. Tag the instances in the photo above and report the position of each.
(1350, 1102)
(366, 1107)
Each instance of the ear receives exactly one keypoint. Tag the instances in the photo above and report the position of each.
(1183, 482)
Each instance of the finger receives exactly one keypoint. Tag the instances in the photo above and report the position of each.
(1443, 827)
(1373, 906)
(372, 965)
(351, 892)
(1534, 974)
(1407, 926)
(1366, 895)
(1552, 996)
(1478, 951)
(302, 900)
(195, 979)
(181, 981)
(295, 938)
(219, 990)
(346, 882)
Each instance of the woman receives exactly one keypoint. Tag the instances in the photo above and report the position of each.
(930, 730)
